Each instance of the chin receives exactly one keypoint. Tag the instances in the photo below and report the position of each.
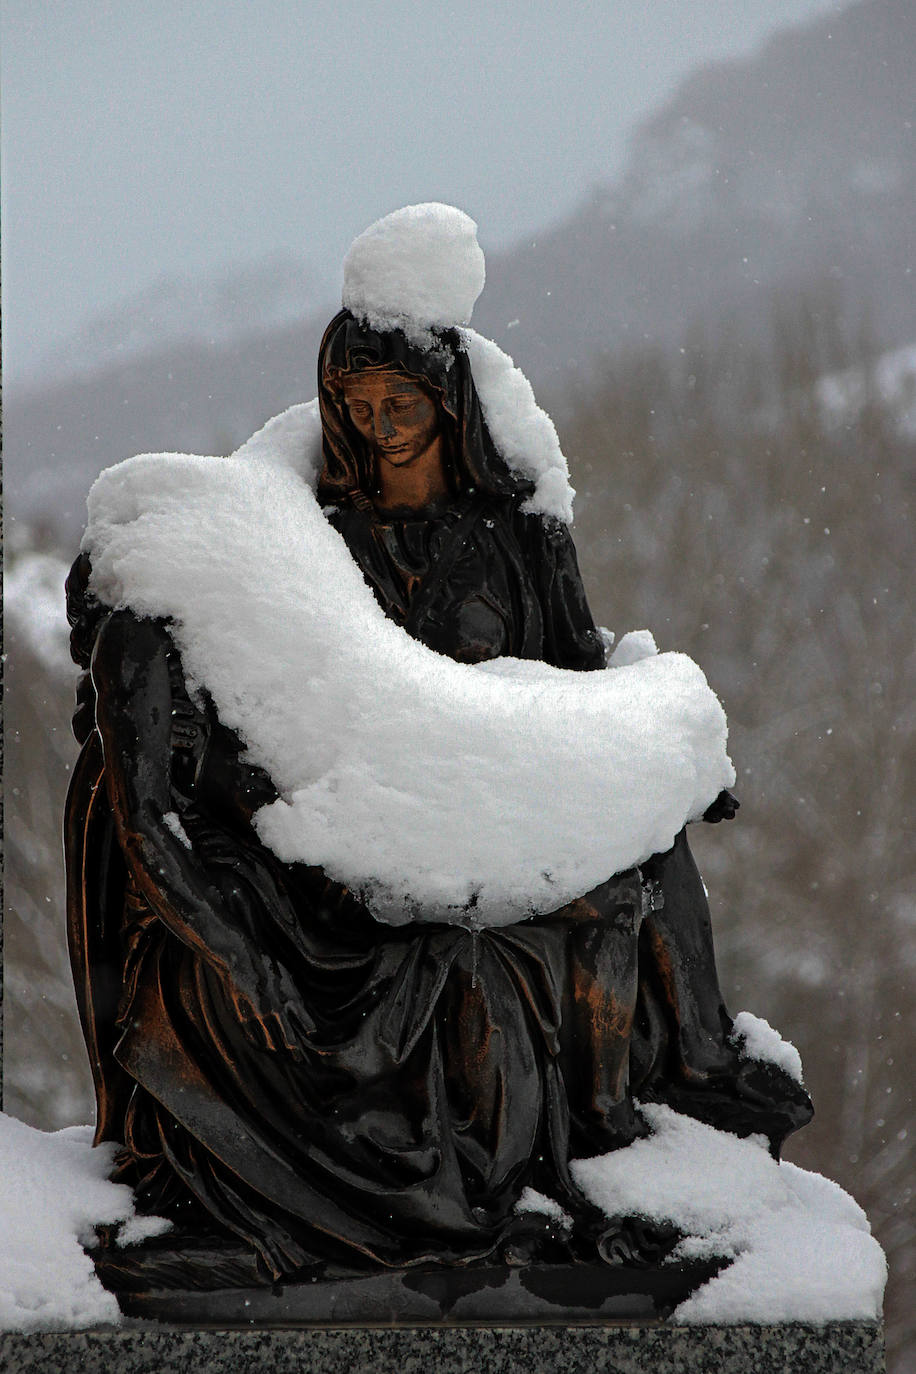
(398, 457)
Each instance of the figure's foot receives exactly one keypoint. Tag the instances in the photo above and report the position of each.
(633, 1242)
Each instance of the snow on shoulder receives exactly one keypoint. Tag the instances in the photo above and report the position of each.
(524, 434)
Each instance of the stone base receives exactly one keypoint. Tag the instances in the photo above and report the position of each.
(652, 1348)
(479, 1295)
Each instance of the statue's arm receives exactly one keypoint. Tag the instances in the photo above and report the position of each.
(134, 717)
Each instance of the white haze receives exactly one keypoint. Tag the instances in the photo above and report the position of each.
(178, 141)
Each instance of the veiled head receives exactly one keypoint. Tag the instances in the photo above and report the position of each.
(353, 357)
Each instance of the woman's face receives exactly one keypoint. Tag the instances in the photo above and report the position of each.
(396, 415)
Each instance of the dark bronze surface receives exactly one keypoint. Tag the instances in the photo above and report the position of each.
(541, 1294)
(281, 1070)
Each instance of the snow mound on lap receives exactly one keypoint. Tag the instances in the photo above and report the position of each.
(438, 791)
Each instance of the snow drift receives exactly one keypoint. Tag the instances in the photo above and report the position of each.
(54, 1189)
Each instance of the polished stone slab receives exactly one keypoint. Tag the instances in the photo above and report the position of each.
(650, 1348)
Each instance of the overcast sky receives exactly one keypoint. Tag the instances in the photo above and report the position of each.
(147, 140)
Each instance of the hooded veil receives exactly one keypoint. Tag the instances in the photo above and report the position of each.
(348, 347)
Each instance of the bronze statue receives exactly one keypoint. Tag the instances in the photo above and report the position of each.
(321, 1092)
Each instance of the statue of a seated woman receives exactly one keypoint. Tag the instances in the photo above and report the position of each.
(277, 1065)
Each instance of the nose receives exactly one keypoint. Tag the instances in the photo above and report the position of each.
(384, 426)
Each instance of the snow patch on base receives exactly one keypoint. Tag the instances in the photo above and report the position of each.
(532, 1201)
(801, 1247)
(54, 1189)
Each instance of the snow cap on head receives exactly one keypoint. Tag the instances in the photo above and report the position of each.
(417, 269)
(420, 270)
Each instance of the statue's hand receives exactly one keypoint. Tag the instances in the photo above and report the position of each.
(722, 809)
(267, 1000)
(269, 1006)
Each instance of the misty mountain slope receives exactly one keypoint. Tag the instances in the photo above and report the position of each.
(790, 174)
(792, 170)
(270, 293)
(183, 397)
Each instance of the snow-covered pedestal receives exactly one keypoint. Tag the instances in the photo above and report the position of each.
(800, 1286)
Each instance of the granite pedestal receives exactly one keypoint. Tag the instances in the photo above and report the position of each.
(649, 1348)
